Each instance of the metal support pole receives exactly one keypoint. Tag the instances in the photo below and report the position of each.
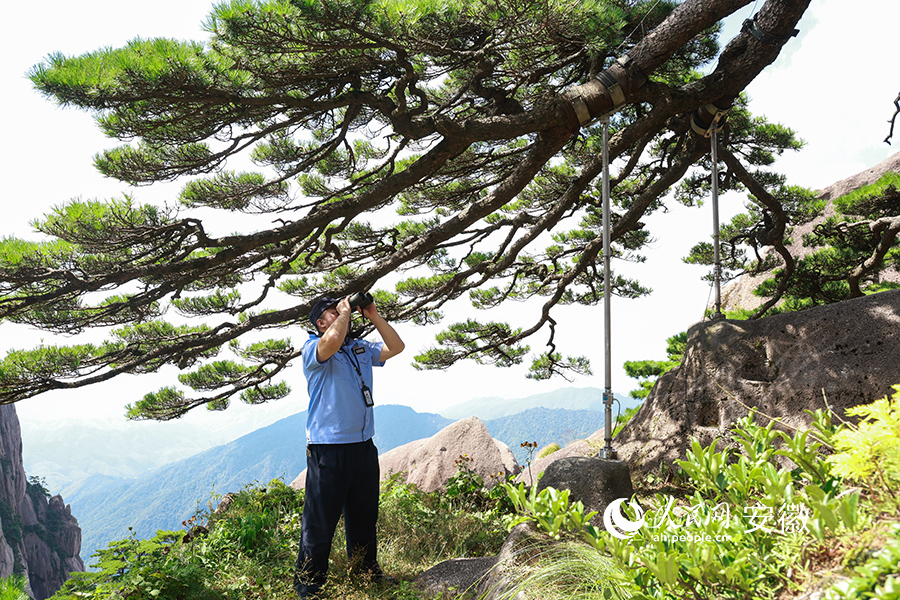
(607, 451)
(717, 262)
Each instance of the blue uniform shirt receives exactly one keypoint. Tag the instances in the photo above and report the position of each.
(337, 411)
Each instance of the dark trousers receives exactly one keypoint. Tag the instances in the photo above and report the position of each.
(340, 478)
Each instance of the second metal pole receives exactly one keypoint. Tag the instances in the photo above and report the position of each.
(607, 451)
(717, 262)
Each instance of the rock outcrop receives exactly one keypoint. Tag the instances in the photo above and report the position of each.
(489, 578)
(40, 538)
(430, 462)
(738, 293)
(834, 356)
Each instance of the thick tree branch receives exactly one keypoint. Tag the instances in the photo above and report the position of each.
(774, 236)
(887, 229)
(302, 91)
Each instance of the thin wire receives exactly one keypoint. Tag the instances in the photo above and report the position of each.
(708, 68)
(638, 26)
(647, 14)
(753, 10)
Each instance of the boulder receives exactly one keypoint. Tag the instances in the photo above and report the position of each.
(593, 481)
(429, 463)
(488, 578)
(833, 356)
(455, 578)
(829, 357)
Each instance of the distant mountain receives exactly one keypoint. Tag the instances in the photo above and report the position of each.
(544, 426)
(66, 451)
(396, 425)
(164, 496)
(486, 409)
(107, 506)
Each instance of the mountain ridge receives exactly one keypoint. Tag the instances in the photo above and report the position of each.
(570, 398)
(168, 495)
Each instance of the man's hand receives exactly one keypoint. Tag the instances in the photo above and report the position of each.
(392, 345)
(344, 306)
(338, 325)
(369, 311)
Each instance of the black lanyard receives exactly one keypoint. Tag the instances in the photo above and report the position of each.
(366, 392)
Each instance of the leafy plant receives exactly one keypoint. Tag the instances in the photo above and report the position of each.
(417, 529)
(745, 511)
(13, 588)
(735, 535)
(878, 578)
(250, 546)
(869, 452)
(143, 570)
(548, 508)
(466, 485)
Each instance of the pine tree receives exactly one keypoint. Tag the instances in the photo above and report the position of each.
(425, 151)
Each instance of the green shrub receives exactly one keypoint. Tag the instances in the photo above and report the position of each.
(548, 509)
(465, 519)
(745, 522)
(869, 452)
(142, 570)
(548, 450)
(13, 588)
(878, 578)
(249, 549)
(737, 533)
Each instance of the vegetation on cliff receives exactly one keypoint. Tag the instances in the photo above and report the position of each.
(776, 513)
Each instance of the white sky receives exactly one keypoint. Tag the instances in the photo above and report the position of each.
(834, 84)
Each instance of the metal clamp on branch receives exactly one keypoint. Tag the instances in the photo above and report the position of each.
(711, 118)
(607, 91)
(750, 26)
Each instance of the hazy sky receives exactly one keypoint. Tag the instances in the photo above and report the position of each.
(834, 84)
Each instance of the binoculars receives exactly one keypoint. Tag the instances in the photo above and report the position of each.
(361, 300)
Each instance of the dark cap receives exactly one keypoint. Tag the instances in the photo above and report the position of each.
(321, 305)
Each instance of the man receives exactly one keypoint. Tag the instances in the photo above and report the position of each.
(342, 473)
